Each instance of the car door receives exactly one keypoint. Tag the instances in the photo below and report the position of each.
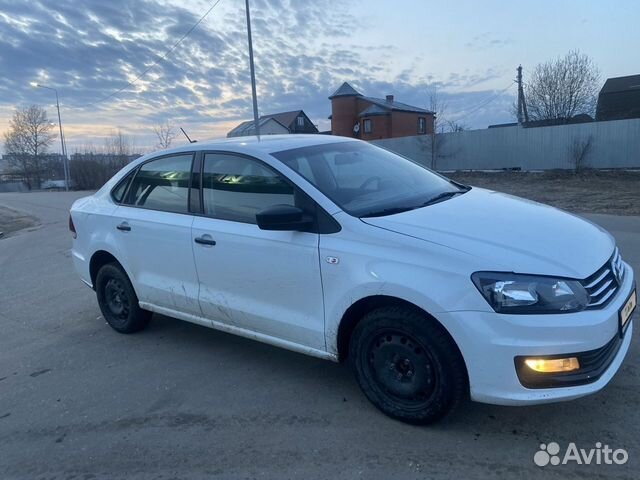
(153, 232)
(263, 281)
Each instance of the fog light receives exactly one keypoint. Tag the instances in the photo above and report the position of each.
(546, 365)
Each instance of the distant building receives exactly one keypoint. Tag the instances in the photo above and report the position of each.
(368, 118)
(24, 168)
(619, 99)
(56, 184)
(268, 126)
(105, 158)
(295, 121)
(44, 157)
(4, 168)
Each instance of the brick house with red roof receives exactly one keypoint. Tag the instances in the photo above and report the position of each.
(369, 118)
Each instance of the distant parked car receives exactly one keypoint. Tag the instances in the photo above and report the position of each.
(55, 185)
(338, 249)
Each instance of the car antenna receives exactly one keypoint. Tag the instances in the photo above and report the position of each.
(185, 134)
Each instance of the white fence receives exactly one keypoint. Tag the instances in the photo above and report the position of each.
(614, 144)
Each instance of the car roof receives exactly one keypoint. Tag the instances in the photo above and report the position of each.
(265, 144)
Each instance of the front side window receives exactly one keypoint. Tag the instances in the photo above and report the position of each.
(236, 188)
(368, 128)
(162, 184)
(365, 180)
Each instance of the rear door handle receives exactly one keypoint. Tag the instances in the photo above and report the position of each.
(205, 240)
(124, 227)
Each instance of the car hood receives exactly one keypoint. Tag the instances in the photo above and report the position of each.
(508, 233)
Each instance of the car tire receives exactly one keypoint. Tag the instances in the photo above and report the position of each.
(407, 365)
(118, 300)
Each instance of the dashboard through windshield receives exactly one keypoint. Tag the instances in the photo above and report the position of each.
(365, 180)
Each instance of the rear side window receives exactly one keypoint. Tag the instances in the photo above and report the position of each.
(162, 184)
(118, 192)
(236, 188)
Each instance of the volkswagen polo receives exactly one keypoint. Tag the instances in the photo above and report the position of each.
(432, 290)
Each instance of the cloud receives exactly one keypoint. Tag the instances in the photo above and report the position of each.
(486, 41)
(89, 49)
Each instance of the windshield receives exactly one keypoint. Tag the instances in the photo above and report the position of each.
(365, 180)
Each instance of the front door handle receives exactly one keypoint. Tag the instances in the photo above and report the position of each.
(205, 240)
(124, 227)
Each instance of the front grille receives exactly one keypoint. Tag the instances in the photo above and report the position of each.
(594, 362)
(602, 285)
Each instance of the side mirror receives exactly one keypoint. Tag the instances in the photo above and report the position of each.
(283, 217)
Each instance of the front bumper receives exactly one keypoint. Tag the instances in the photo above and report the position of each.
(490, 343)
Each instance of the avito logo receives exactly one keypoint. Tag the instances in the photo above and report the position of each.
(549, 453)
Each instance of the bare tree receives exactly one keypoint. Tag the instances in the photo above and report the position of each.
(438, 107)
(562, 88)
(578, 151)
(92, 166)
(440, 125)
(119, 147)
(25, 142)
(88, 173)
(165, 133)
(454, 126)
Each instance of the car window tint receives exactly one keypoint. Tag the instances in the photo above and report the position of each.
(236, 188)
(118, 192)
(162, 184)
(302, 166)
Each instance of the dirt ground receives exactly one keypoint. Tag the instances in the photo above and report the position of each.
(12, 221)
(590, 191)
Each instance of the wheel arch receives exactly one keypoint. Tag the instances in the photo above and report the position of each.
(98, 259)
(356, 311)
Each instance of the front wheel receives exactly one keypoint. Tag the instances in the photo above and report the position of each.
(407, 365)
(118, 301)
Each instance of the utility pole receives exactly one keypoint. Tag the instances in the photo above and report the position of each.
(67, 168)
(63, 140)
(253, 74)
(65, 159)
(523, 115)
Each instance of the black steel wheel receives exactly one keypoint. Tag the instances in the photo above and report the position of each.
(407, 364)
(118, 301)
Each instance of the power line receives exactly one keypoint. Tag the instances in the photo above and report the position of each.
(485, 102)
(161, 58)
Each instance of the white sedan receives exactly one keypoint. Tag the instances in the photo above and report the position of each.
(335, 248)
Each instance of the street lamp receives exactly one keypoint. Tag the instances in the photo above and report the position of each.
(65, 160)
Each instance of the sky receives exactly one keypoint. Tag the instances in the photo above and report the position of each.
(465, 51)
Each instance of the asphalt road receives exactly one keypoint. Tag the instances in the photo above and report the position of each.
(78, 400)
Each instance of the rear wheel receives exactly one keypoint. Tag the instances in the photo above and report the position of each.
(407, 365)
(118, 301)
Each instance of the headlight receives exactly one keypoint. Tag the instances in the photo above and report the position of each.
(514, 293)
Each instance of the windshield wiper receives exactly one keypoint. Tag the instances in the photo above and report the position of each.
(388, 211)
(443, 196)
(461, 186)
(393, 210)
